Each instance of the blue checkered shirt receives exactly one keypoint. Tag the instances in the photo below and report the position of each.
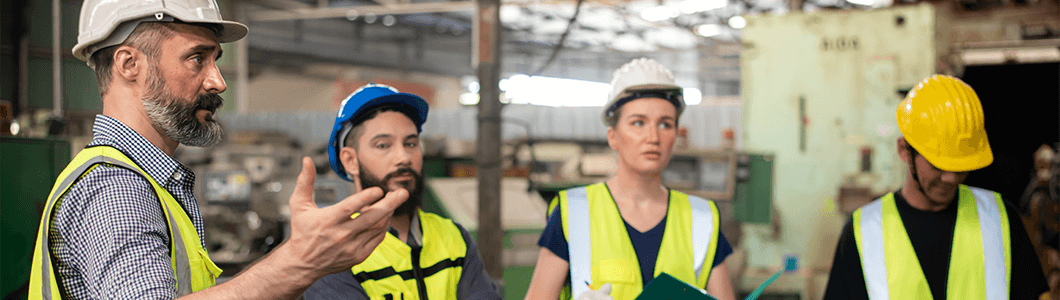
(109, 236)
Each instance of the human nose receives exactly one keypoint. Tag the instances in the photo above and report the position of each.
(214, 83)
(949, 177)
(653, 134)
(403, 156)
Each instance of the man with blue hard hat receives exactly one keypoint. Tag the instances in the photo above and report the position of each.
(375, 143)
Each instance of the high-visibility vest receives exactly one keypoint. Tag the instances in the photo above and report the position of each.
(601, 251)
(396, 271)
(980, 262)
(192, 267)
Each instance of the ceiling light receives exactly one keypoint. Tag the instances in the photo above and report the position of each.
(737, 22)
(708, 30)
(352, 14)
(659, 13)
(370, 18)
(389, 20)
(473, 87)
(692, 96)
(468, 98)
(695, 6)
(862, 2)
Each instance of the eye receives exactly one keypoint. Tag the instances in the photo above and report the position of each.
(411, 145)
(382, 146)
(665, 125)
(197, 59)
(638, 123)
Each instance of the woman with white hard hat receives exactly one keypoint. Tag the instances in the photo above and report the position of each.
(615, 237)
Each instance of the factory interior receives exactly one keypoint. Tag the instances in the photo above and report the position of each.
(788, 125)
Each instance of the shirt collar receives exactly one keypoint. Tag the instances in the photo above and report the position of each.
(160, 166)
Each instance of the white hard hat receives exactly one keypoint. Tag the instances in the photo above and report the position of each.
(640, 78)
(105, 23)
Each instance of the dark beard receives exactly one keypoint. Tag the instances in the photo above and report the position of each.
(415, 191)
(176, 119)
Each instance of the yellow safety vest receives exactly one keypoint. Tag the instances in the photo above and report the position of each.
(980, 262)
(395, 271)
(192, 267)
(601, 251)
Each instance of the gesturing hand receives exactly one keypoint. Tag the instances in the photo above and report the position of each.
(327, 240)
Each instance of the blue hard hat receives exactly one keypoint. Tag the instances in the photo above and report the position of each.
(361, 100)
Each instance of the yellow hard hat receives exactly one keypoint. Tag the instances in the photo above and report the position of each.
(943, 120)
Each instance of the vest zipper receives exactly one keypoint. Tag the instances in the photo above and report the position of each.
(418, 273)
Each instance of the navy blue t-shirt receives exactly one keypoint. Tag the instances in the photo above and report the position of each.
(645, 244)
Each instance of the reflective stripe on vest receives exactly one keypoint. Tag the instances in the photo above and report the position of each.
(387, 273)
(601, 251)
(980, 260)
(192, 267)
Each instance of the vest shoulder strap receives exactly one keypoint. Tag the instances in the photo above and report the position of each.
(704, 232)
(868, 234)
(993, 226)
(579, 240)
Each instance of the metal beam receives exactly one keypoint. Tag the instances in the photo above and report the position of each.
(340, 12)
(282, 4)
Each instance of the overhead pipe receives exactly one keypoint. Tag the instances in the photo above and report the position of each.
(57, 60)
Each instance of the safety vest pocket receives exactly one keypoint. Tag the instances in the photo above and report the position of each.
(615, 271)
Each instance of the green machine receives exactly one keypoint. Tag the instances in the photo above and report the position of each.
(753, 194)
(29, 168)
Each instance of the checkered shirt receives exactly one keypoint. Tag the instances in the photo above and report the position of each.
(108, 237)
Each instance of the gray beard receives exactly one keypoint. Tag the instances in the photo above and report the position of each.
(176, 119)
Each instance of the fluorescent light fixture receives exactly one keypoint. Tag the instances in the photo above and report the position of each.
(559, 92)
(695, 6)
(692, 96)
(737, 22)
(660, 13)
(551, 91)
(468, 99)
(862, 2)
(708, 30)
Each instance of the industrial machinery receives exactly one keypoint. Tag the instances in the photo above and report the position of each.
(243, 187)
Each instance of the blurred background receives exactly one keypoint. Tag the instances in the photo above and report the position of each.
(790, 122)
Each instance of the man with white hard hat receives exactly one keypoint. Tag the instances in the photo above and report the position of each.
(122, 221)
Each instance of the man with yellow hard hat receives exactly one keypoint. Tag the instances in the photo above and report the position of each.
(936, 238)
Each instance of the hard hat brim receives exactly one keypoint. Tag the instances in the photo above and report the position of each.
(231, 31)
(968, 163)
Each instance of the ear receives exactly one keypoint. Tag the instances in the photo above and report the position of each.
(611, 138)
(348, 158)
(129, 63)
(903, 150)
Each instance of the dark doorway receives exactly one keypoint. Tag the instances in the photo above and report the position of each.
(1021, 103)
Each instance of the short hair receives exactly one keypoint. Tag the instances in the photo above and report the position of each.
(146, 37)
(357, 131)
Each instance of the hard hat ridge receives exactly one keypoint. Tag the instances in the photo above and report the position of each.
(942, 118)
(104, 23)
(642, 75)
